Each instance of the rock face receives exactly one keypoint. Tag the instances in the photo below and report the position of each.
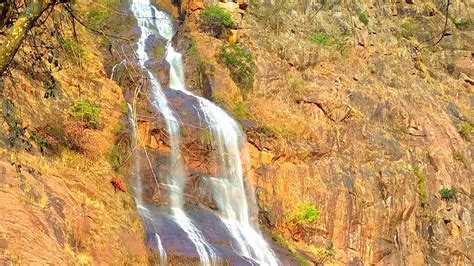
(358, 109)
(57, 204)
(363, 114)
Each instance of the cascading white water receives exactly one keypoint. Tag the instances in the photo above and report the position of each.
(138, 189)
(151, 21)
(112, 74)
(229, 191)
(228, 188)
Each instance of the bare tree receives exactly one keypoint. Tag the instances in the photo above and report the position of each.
(14, 35)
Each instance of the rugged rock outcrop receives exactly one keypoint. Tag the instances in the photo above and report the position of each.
(61, 143)
(361, 109)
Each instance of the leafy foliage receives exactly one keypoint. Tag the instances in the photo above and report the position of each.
(115, 157)
(408, 29)
(320, 38)
(305, 213)
(73, 48)
(241, 110)
(97, 17)
(421, 185)
(215, 20)
(448, 193)
(42, 143)
(239, 61)
(89, 114)
(61, 132)
(192, 50)
(363, 18)
(324, 253)
(461, 24)
(465, 129)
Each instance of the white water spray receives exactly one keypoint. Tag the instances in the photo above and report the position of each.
(138, 189)
(229, 191)
(151, 21)
(228, 188)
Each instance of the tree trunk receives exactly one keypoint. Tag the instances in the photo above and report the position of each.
(6, 10)
(15, 35)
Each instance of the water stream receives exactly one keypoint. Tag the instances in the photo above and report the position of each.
(229, 191)
(136, 183)
(228, 188)
(152, 21)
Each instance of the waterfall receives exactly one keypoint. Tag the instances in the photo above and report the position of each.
(228, 189)
(136, 183)
(152, 21)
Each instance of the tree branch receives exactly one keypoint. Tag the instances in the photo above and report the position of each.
(15, 35)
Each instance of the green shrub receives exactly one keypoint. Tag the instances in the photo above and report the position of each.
(215, 20)
(239, 61)
(89, 114)
(421, 185)
(241, 111)
(324, 253)
(192, 50)
(448, 193)
(96, 18)
(465, 129)
(461, 24)
(59, 132)
(363, 18)
(115, 158)
(217, 100)
(408, 28)
(72, 47)
(42, 142)
(99, 14)
(321, 38)
(305, 213)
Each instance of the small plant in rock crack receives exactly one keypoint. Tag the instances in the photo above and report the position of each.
(215, 20)
(239, 61)
(461, 24)
(363, 18)
(89, 114)
(421, 184)
(321, 38)
(448, 193)
(408, 29)
(465, 130)
(73, 48)
(42, 143)
(304, 214)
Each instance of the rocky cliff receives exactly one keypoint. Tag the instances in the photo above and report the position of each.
(363, 110)
(358, 118)
(61, 123)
